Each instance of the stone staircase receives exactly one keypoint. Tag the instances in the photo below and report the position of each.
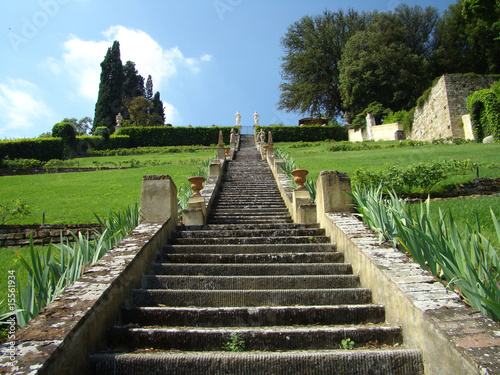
(251, 280)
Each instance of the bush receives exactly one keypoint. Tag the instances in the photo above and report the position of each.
(174, 136)
(484, 108)
(305, 133)
(42, 149)
(103, 132)
(65, 131)
(21, 163)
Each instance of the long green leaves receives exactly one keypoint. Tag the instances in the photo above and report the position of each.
(288, 166)
(465, 258)
(49, 276)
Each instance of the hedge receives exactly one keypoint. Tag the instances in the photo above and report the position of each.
(43, 149)
(174, 136)
(305, 133)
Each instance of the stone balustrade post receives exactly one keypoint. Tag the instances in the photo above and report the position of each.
(221, 153)
(158, 198)
(300, 198)
(331, 193)
(215, 169)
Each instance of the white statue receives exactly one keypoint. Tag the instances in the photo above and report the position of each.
(238, 117)
(256, 118)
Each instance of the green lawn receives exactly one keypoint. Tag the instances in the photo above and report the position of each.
(74, 197)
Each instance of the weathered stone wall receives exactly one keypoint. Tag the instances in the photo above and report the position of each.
(441, 116)
(385, 132)
(19, 235)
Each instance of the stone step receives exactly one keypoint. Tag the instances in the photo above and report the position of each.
(281, 338)
(267, 226)
(252, 258)
(250, 240)
(250, 211)
(248, 220)
(251, 233)
(251, 269)
(238, 298)
(260, 316)
(250, 282)
(332, 362)
(248, 249)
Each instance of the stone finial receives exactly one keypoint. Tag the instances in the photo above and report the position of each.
(221, 139)
(270, 139)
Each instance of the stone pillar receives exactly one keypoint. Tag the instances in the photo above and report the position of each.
(331, 193)
(299, 198)
(158, 198)
(221, 153)
(370, 122)
(231, 137)
(215, 168)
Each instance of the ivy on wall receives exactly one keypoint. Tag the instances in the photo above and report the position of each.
(484, 108)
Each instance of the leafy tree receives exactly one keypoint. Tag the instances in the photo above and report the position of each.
(82, 126)
(158, 107)
(465, 38)
(133, 82)
(109, 100)
(386, 62)
(140, 112)
(310, 70)
(148, 93)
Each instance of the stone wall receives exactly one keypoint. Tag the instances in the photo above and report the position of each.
(386, 132)
(441, 116)
(19, 235)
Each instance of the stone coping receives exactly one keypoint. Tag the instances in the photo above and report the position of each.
(60, 338)
(454, 338)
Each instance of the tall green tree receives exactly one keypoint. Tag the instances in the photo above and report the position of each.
(82, 126)
(387, 62)
(158, 107)
(148, 92)
(133, 82)
(109, 99)
(313, 48)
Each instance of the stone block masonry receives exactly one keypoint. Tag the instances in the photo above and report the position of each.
(441, 115)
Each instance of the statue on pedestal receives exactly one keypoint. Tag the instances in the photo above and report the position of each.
(238, 118)
(256, 118)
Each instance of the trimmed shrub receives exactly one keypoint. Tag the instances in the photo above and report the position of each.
(43, 149)
(305, 133)
(174, 136)
(103, 132)
(65, 131)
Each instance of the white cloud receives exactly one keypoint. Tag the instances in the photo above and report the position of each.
(172, 116)
(20, 108)
(81, 60)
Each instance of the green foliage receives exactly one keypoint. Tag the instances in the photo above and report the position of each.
(57, 163)
(42, 149)
(305, 133)
(109, 99)
(347, 344)
(65, 131)
(174, 136)
(393, 117)
(15, 208)
(464, 257)
(103, 132)
(235, 343)
(418, 177)
(484, 108)
(21, 163)
(376, 109)
(49, 276)
(312, 48)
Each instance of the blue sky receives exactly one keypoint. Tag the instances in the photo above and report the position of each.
(208, 58)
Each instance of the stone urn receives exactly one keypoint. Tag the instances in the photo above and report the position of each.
(227, 149)
(196, 184)
(299, 176)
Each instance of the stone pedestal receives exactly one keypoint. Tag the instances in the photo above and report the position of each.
(299, 197)
(306, 214)
(331, 193)
(158, 198)
(196, 212)
(215, 168)
(221, 153)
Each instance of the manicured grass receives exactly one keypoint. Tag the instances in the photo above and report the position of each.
(316, 159)
(74, 197)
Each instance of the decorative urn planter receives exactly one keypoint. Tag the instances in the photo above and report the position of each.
(227, 149)
(299, 176)
(196, 184)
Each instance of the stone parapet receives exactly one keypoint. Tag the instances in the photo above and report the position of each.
(454, 338)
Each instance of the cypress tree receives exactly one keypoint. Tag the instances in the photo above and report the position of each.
(158, 107)
(148, 93)
(109, 100)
